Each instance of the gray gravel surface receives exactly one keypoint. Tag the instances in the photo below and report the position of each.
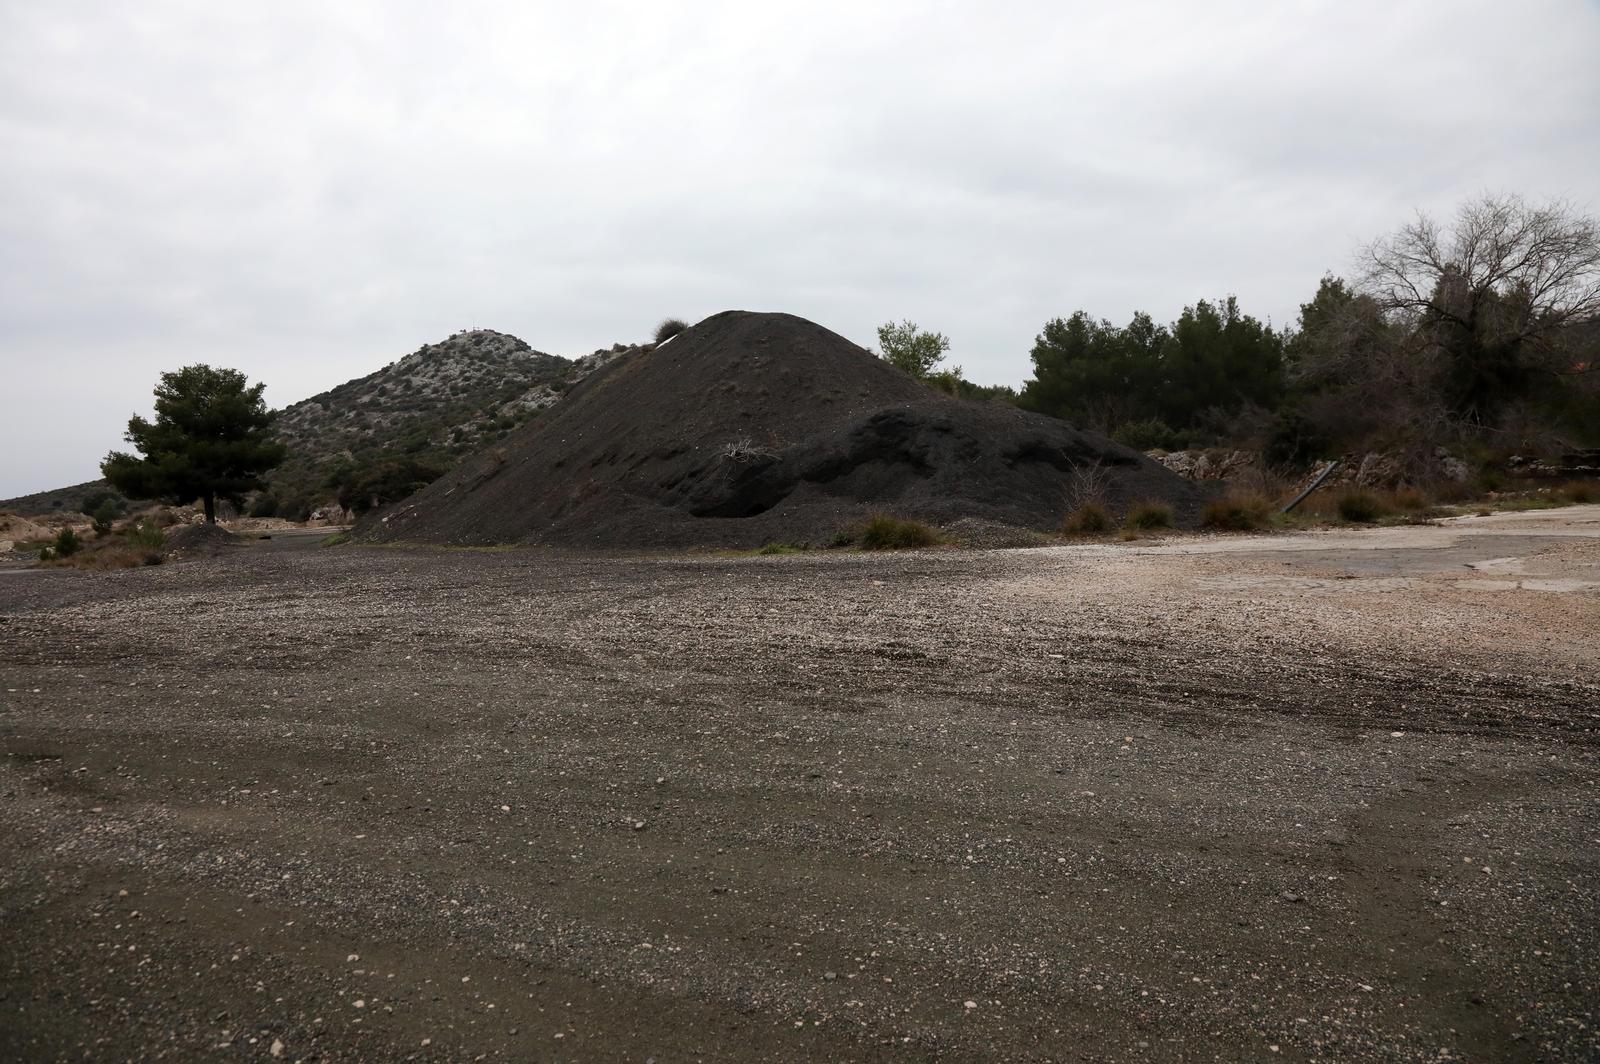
(1196, 800)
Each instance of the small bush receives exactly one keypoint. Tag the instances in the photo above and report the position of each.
(145, 534)
(1360, 506)
(781, 548)
(66, 544)
(883, 532)
(1147, 516)
(1088, 519)
(337, 539)
(103, 516)
(1148, 435)
(669, 328)
(1237, 513)
(845, 537)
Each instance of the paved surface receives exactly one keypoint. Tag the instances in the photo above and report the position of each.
(1325, 797)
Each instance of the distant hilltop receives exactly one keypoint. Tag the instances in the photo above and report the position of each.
(379, 437)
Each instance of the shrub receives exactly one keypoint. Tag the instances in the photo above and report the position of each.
(883, 532)
(103, 516)
(100, 498)
(145, 534)
(1088, 519)
(337, 539)
(67, 543)
(669, 328)
(1237, 513)
(1148, 435)
(845, 537)
(1147, 516)
(781, 548)
(1360, 506)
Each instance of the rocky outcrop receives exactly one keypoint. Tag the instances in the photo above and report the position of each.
(1208, 465)
(1370, 469)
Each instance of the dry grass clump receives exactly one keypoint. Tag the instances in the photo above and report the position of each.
(110, 556)
(1580, 492)
(1147, 517)
(1408, 497)
(1237, 512)
(882, 532)
(1088, 519)
(1359, 506)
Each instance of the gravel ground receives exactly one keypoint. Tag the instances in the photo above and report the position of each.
(1320, 797)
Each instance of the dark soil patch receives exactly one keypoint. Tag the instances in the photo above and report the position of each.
(749, 428)
(199, 540)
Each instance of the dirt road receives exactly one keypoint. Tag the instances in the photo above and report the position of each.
(1320, 797)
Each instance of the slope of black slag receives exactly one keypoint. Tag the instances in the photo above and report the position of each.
(749, 428)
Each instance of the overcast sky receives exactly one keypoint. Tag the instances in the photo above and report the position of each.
(308, 191)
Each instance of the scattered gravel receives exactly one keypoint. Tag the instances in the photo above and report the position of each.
(1200, 799)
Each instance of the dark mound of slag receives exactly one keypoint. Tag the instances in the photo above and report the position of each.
(750, 428)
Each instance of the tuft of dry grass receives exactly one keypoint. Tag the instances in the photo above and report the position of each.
(1359, 506)
(1088, 519)
(1148, 516)
(1580, 492)
(882, 532)
(107, 557)
(1237, 512)
(1408, 497)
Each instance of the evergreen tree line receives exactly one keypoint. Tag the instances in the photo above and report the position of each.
(1481, 336)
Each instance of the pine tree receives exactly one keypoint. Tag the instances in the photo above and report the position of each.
(211, 438)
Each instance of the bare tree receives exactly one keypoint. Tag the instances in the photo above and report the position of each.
(1087, 483)
(1498, 292)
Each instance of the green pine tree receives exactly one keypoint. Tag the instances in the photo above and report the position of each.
(211, 438)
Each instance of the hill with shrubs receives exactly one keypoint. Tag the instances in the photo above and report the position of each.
(374, 440)
(750, 428)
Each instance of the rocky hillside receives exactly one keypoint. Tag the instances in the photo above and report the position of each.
(378, 437)
(752, 428)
